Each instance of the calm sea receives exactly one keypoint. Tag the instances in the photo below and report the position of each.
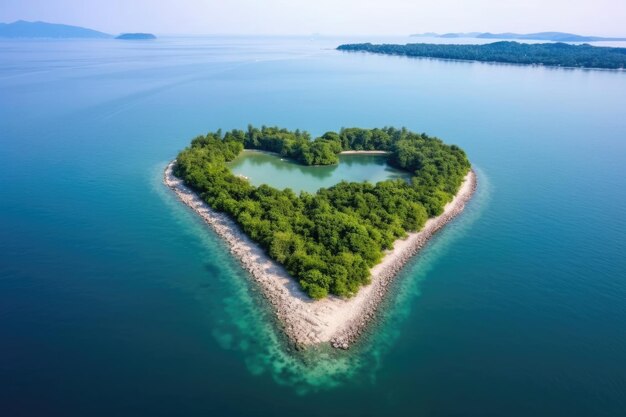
(116, 300)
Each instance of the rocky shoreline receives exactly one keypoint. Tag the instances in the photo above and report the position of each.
(332, 320)
(385, 272)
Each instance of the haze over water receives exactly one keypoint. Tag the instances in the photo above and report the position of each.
(116, 300)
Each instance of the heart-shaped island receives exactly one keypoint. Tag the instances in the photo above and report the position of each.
(324, 259)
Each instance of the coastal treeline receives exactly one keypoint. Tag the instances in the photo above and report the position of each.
(552, 54)
(328, 240)
(295, 145)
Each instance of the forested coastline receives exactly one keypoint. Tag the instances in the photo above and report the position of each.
(328, 240)
(550, 54)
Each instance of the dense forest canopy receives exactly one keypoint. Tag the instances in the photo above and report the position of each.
(328, 240)
(552, 54)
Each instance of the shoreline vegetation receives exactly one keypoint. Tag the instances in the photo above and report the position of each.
(508, 52)
(317, 254)
(307, 322)
(328, 239)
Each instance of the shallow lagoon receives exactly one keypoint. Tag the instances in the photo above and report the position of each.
(264, 168)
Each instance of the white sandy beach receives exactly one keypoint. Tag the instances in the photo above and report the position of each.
(332, 320)
(364, 152)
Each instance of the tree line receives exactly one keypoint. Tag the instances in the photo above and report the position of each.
(330, 239)
(552, 54)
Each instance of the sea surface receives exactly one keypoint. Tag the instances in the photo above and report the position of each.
(116, 300)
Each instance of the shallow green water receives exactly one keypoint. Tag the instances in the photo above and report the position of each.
(263, 168)
(115, 299)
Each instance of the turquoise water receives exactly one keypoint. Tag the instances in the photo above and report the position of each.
(262, 168)
(116, 300)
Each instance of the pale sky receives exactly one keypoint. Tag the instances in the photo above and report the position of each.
(328, 17)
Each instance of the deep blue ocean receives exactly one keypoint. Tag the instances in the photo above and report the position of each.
(116, 300)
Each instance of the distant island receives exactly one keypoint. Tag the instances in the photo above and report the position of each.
(550, 54)
(539, 36)
(136, 36)
(23, 29)
(348, 240)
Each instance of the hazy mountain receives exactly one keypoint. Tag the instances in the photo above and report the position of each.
(23, 29)
(540, 36)
(446, 35)
(548, 36)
